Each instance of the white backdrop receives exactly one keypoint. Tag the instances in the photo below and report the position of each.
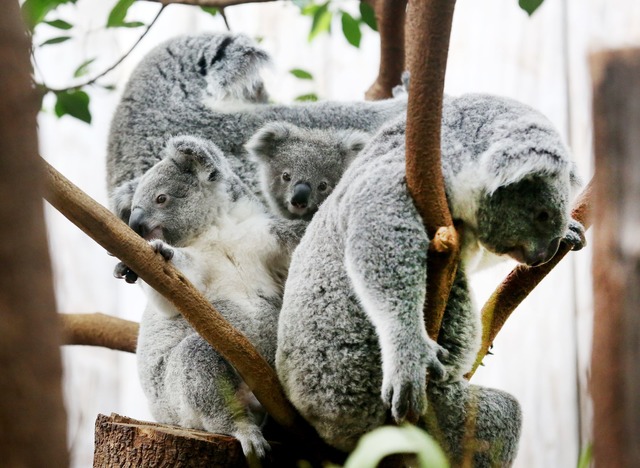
(542, 354)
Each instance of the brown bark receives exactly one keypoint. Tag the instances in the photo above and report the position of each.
(428, 31)
(615, 378)
(32, 418)
(116, 237)
(100, 330)
(390, 16)
(522, 280)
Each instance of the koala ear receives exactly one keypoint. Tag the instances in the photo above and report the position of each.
(353, 141)
(122, 197)
(262, 146)
(192, 154)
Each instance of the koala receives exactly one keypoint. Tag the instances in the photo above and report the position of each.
(351, 336)
(197, 213)
(209, 86)
(295, 186)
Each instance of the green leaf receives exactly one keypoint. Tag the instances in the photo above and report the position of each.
(301, 3)
(60, 24)
(108, 87)
(387, 440)
(34, 11)
(119, 13)
(301, 74)
(55, 40)
(74, 103)
(351, 29)
(586, 456)
(211, 10)
(310, 9)
(83, 68)
(368, 16)
(321, 21)
(131, 24)
(530, 5)
(311, 97)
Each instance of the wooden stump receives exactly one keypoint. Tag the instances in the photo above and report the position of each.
(126, 442)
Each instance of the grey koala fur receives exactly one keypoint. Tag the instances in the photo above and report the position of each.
(300, 167)
(209, 86)
(237, 254)
(351, 339)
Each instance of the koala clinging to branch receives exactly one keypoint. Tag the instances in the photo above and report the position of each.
(300, 167)
(209, 86)
(351, 336)
(198, 214)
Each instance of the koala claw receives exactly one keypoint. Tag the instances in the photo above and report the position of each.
(575, 237)
(122, 271)
(162, 248)
(253, 443)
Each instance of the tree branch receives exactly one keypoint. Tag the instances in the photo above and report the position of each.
(522, 280)
(99, 330)
(428, 32)
(390, 15)
(210, 3)
(116, 237)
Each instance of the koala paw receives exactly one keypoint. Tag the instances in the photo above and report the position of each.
(404, 388)
(122, 271)
(575, 237)
(253, 443)
(162, 248)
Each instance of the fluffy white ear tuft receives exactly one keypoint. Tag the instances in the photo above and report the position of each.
(121, 198)
(263, 144)
(194, 154)
(353, 142)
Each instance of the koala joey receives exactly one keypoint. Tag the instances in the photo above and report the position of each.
(300, 167)
(199, 215)
(209, 86)
(351, 338)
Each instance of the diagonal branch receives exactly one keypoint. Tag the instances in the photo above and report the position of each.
(390, 16)
(521, 281)
(428, 32)
(116, 237)
(99, 330)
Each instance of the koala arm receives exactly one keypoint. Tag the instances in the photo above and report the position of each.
(385, 259)
(288, 232)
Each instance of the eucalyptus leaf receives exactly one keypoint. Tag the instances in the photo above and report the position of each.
(211, 10)
(530, 5)
(586, 457)
(119, 13)
(60, 24)
(368, 16)
(301, 74)
(351, 29)
(321, 21)
(311, 97)
(35, 11)
(83, 68)
(389, 440)
(74, 103)
(56, 40)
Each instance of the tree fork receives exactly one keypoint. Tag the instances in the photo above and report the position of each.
(522, 280)
(428, 31)
(116, 237)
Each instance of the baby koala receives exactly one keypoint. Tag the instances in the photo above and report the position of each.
(198, 214)
(299, 167)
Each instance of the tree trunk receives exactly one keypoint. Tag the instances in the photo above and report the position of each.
(615, 381)
(32, 418)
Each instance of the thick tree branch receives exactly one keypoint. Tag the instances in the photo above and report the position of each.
(522, 280)
(100, 330)
(210, 3)
(32, 417)
(116, 237)
(428, 32)
(390, 15)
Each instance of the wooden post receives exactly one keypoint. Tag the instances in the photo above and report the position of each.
(32, 419)
(615, 379)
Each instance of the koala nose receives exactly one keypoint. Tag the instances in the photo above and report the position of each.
(300, 197)
(137, 222)
(542, 256)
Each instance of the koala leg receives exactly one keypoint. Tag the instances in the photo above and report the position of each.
(477, 426)
(205, 392)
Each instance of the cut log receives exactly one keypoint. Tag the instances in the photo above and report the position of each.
(126, 442)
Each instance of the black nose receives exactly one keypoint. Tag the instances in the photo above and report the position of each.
(301, 192)
(137, 222)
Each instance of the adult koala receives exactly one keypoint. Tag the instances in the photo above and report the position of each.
(351, 337)
(209, 86)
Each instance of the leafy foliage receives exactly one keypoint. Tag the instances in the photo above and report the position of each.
(322, 15)
(34, 11)
(530, 5)
(74, 103)
(301, 74)
(119, 13)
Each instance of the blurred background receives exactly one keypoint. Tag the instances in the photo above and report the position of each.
(542, 354)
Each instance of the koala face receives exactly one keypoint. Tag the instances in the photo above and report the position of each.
(300, 167)
(184, 193)
(526, 219)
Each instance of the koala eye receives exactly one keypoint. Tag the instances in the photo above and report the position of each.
(161, 199)
(286, 176)
(542, 217)
(322, 186)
